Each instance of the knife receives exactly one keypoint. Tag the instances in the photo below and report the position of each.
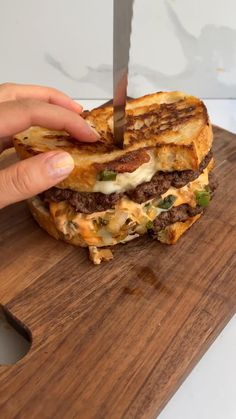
(123, 13)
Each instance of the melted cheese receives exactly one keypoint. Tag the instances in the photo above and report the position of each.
(125, 181)
(127, 220)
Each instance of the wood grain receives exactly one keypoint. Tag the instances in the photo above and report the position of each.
(116, 340)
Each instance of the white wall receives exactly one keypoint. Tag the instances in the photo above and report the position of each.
(176, 44)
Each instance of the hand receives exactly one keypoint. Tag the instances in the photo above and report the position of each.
(22, 106)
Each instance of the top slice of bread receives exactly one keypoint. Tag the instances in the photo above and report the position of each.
(174, 125)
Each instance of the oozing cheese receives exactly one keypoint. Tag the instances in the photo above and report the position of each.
(122, 223)
(125, 181)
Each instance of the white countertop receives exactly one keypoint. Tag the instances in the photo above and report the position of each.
(209, 391)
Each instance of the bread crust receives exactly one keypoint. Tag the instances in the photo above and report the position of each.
(43, 217)
(46, 222)
(172, 233)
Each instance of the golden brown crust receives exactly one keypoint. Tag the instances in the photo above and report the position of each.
(174, 125)
(172, 233)
(43, 217)
(151, 116)
(45, 220)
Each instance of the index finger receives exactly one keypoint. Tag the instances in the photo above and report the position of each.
(12, 91)
(16, 116)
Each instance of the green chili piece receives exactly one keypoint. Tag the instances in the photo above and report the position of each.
(167, 202)
(106, 175)
(202, 198)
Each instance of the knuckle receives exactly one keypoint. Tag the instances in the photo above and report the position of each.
(28, 102)
(8, 86)
(7, 91)
(21, 180)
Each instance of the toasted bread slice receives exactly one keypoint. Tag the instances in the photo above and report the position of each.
(172, 233)
(46, 222)
(170, 129)
(43, 217)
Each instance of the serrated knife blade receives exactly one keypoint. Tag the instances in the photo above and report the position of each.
(123, 14)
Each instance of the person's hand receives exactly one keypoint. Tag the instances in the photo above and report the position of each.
(22, 106)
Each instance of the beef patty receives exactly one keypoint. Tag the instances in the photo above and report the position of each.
(180, 213)
(162, 181)
(89, 202)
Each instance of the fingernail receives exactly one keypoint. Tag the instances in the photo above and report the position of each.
(79, 107)
(94, 133)
(59, 164)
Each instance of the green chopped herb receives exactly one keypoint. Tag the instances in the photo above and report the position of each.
(203, 197)
(107, 175)
(149, 225)
(167, 202)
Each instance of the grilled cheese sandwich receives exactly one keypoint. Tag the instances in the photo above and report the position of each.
(159, 183)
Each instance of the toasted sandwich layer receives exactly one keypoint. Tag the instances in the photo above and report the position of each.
(89, 202)
(129, 219)
(164, 132)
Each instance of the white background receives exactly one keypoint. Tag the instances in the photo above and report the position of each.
(176, 44)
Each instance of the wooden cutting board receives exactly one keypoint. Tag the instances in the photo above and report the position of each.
(115, 340)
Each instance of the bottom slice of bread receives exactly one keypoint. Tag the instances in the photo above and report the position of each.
(43, 217)
(172, 233)
(45, 220)
(168, 235)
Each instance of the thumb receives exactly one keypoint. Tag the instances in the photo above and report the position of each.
(32, 176)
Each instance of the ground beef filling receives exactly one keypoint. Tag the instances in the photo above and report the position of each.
(162, 181)
(89, 202)
(176, 214)
(85, 202)
(181, 213)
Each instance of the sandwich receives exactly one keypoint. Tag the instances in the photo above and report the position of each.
(159, 183)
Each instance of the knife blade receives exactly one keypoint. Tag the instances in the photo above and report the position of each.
(123, 14)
